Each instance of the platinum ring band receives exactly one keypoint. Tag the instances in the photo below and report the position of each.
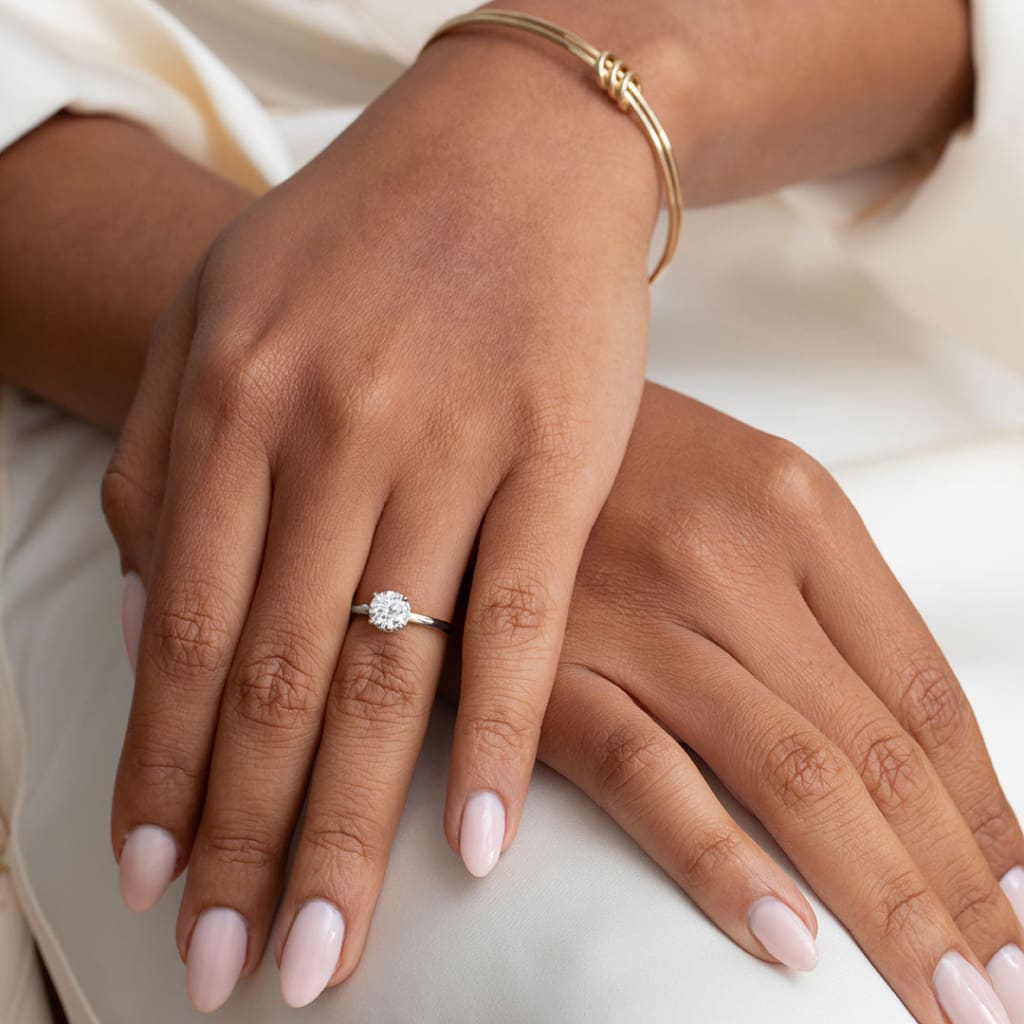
(390, 611)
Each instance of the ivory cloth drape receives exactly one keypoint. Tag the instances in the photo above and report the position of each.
(888, 346)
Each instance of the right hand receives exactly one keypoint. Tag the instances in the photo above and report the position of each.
(730, 598)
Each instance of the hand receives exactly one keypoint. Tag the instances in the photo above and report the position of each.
(730, 598)
(423, 339)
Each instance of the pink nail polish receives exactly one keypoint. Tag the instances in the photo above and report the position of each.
(964, 994)
(482, 832)
(216, 956)
(133, 605)
(310, 955)
(1006, 969)
(148, 859)
(783, 934)
(1013, 885)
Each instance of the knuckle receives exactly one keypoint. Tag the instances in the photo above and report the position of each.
(996, 831)
(804, 772)
(893, 770)
(626, 760)
(245, 377)
(275, 684)
(189, 633)
(252, 850)
(367, 394)
(978, 904)
(380, 679)
(903, 910)
(512, 611)
(793, 480)
(708, 856)
(351, 839)
(505, 736)
(163, 771)
(933, 705)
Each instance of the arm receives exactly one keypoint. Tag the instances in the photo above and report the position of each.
(99, 225)
(757, 94)
(99, 222)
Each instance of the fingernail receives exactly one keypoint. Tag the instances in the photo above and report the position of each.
(216, 956)
(133, 604)
(965, 996)
(148, 858)
(482, 832)
(1013, 885)
(311, 953)
(1006, 969)
(783, 934)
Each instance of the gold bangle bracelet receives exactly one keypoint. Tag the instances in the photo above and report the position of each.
(614, 79)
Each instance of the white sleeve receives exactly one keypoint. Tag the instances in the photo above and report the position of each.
(131, 59)
(949, 246)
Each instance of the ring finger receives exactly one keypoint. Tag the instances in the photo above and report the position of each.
(376, 717)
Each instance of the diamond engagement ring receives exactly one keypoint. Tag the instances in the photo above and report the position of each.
(389, 611)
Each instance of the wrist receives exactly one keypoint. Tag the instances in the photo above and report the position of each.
(657, 48)
(543, 110)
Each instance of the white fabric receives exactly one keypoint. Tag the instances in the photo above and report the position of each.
(762, 315)
(951, 251)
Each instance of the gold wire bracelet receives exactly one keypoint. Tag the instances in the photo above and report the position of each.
(614, 79)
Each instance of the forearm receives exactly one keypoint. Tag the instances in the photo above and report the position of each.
(100, 223)
(757, 94)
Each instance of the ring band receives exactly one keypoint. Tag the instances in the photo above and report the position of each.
(390, 611)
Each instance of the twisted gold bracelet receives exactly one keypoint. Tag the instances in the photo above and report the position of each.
(614, 79)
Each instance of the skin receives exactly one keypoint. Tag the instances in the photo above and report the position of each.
(244, 390)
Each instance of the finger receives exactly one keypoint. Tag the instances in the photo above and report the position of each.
(602, 741)
(270, 718)
(530, 547)
(376, 717)
(810, 797)
(876, 628)
(204, 567)
(895, 770)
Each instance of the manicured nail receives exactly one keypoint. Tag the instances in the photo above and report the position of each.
(1006, 969)
(216, 956)
(965, 995)
(147, 865)
(783, 934)
(482, 832)
(1013, 886)
(311, 953)
(133, 604)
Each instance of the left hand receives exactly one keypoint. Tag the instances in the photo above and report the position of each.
(432, 336)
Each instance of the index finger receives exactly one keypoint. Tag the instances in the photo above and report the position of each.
(204, 567)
